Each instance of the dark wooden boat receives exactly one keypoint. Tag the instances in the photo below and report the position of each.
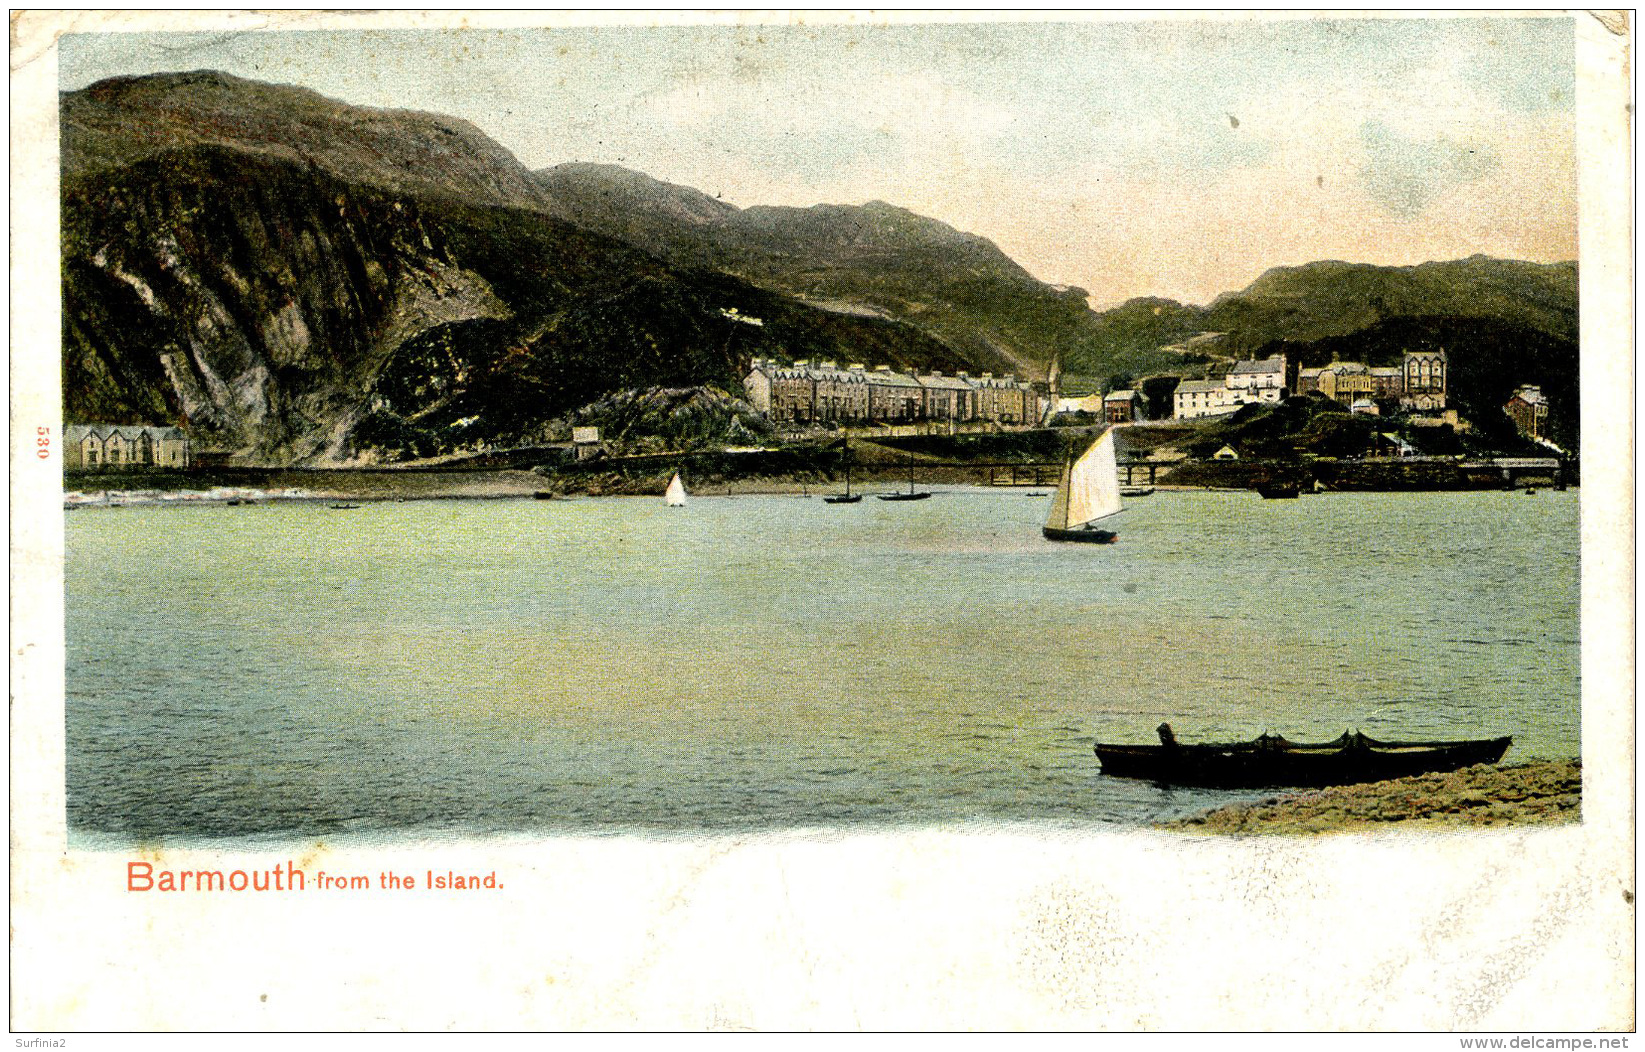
(1088, 534)
(847, 497)
(1279, 490)
(1272, 761)
(911, 494)
(542, 495)
(1136, 491)
(344, 507)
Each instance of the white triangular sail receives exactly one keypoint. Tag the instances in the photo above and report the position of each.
(675, 497)
(1090, 488)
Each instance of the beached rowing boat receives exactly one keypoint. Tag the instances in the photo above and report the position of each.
(1271, 760)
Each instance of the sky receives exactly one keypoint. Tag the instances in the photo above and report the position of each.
(1176, 158)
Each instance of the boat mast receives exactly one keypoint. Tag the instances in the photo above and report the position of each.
(1058, 520)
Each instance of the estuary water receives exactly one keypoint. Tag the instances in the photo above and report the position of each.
(752, 663)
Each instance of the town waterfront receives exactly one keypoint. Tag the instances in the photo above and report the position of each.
(762, 663)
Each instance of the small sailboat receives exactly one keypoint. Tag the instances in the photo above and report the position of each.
(675, 497)
(847, 497)
(1088, 492)
(912, 494)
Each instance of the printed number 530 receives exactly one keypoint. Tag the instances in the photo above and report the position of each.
(43, 441)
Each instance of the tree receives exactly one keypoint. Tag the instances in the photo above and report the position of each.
(1159, 392)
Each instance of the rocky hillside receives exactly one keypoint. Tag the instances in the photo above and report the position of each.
(874, 259)
(302, 281)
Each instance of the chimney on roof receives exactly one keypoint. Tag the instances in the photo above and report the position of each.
(963, 375)
(937, 373)
(1010, 378)
(855, 367)
(882, 368)
(830, 365)
(987, 376)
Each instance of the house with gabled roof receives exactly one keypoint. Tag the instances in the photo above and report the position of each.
(125, 447)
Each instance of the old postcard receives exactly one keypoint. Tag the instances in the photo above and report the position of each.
(822, 521)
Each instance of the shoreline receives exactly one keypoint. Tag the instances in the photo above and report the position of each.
(504, 484)
(1536, 792)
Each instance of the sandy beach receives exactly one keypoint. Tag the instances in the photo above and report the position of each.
(1538, 793)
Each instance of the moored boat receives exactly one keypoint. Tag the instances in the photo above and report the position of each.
(1279, 490)
(912, 493)
(847, 497)
(1271, 761)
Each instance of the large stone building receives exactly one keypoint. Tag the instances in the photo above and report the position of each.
(1426, 379)
(119, 447)
(809, 394)
(1420, 383)
(1253, 380)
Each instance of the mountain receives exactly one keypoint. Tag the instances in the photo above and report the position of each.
(117, 123)
(874, 259)
(303, 281)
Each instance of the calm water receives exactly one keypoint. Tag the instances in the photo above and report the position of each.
(754, 663)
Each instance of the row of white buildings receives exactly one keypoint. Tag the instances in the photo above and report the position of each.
(1419, 384)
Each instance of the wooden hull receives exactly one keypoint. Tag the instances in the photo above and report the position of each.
(1271, 761)
(1085, 536)
(1280, 492)
(843, 498)
(903, 496)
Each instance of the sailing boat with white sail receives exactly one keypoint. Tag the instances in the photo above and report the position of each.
(1089, 491)
(675, 497)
